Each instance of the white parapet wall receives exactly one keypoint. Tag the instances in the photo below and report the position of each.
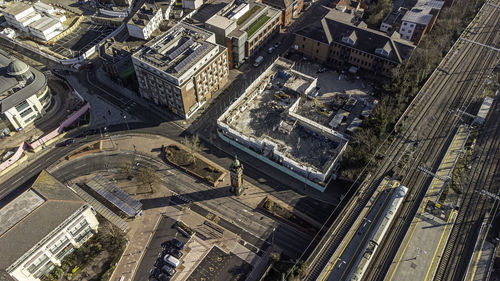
(305, 172)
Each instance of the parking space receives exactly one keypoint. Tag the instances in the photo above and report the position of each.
(164, 232)
(218, 265)
(81, 39)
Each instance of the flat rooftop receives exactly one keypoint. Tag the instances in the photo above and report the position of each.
(270, 118)
(176, 50)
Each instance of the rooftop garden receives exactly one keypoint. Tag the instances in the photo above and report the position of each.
(256, 25)
(247, 15)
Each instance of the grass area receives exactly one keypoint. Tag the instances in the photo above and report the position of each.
(256, 25)
(247, 15)
(194, 165)
(279, 211)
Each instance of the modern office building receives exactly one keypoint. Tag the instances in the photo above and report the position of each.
(24, 94)
(181, 68)
(244, 28)
(145, 21)
(336, 41)
(42, 226)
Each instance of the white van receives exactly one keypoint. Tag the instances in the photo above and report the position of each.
(171, 260)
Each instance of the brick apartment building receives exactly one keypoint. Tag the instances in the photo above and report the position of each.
(181, 68)
(337, 42)
(289, 8)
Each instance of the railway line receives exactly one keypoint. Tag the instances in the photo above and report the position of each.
(472, 69)
(475, 206)
(430, 123)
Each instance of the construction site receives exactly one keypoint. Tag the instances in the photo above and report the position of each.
(270, 122)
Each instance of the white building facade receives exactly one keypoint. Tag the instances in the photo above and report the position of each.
(144, 22)
(71, 234)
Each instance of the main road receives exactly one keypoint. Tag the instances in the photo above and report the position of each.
(430, 121)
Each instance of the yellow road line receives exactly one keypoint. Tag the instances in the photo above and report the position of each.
(452, 215)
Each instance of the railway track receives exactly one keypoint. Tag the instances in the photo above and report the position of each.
(429, 154)
(475, 206)
(426, 100)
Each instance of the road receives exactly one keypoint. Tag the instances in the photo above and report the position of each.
(255, 225)
(429, 125)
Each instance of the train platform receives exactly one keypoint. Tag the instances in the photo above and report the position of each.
(419, 255)
(344, 258)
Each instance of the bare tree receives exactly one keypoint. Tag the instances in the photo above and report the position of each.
(149, 177)
(193, 147)
(127, 169)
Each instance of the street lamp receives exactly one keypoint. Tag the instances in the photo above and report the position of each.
(125, 118)
(272, 241)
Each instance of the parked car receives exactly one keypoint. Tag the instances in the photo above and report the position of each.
(178, 244)
(258, 61)
(270, 50)
(171, 260)
(163, 277)
(66, 142)
(168, 270)
(155, 272)
(277, 44)
(166, 244)
(172, 251)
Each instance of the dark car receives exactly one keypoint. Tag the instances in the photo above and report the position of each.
(168, 270)
(178, 244)
(166, 244)
(159, 262)
(172, 251)
(155, 272)
(66, 142)
(163, 277)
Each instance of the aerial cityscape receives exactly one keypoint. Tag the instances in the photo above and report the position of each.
(249, 140)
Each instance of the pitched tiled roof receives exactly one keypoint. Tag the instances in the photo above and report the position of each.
(335, 25)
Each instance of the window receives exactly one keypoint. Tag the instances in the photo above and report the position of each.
(304, 39)
(22, 106)
(26, 112)
(303, 47)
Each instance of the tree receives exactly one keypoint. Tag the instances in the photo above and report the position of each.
(127, 169)
(193, 147)
(149, 177)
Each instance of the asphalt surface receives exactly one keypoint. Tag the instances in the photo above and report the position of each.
(164, 232)
(255, 228)
(218, 265)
